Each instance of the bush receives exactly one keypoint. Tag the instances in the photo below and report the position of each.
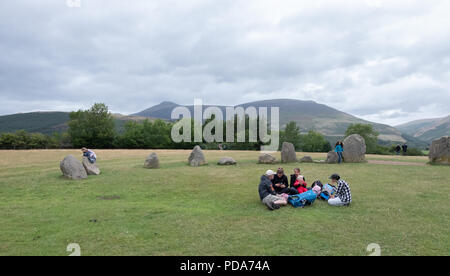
(24, 140)
(381, 150)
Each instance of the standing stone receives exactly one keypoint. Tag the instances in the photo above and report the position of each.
(72, 168)
(196, 158)
(288, 154)
(306, 159)
(267, 159)
(332, 158)
(440, 151)
(227, 161)
(152, 161)
(354, 149)
(91, 169)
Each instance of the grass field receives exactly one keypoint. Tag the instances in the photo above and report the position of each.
(213, 210)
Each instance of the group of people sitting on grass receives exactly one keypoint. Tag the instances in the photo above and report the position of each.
(274, 189)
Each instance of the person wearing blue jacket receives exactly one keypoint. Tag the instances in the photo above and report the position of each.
(339, 148)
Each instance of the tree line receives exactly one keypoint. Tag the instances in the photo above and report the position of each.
(95, 128)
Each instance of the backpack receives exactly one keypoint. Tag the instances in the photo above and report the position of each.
(303, 199)
(327, 191)
(318, 183)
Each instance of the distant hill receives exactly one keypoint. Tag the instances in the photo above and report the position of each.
(309, 115)
(427, 130)
(50, 122)
(43, 122)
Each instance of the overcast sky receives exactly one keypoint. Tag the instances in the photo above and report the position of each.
(382, 60)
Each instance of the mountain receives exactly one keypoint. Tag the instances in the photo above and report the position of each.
(50, 122)
(308, 115)
(43, 122)
(427, 130)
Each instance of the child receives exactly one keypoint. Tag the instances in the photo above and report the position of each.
(300, 184)
(92, 157)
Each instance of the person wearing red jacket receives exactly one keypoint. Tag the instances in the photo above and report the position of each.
(300, 184)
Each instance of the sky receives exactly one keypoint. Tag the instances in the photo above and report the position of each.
(384, 61)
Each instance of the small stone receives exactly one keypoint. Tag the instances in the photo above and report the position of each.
(152, 161)
(226, 161)
(91, 168)
(332, 158)
(306, 159)
(266, 158)
(196, 158)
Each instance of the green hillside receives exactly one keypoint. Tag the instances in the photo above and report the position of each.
(427, 130)
(50, 122)
(43, 122)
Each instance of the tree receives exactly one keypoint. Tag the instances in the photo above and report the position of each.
(314, 142)
(8, 141)
(92, 128)
(291, 134)
(38, 141)
(147, 135)
(367, 132)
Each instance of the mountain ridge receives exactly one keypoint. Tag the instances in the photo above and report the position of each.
(309, 115)
(427, 129)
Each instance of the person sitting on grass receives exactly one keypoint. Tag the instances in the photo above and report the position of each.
(295, 176)
(91, 156)
(267, 193)
(343, 196)
(300, 184)
(281, 185)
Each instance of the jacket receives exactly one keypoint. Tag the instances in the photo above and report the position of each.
(265, 187)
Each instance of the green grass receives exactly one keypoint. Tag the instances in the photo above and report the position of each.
(213, 210)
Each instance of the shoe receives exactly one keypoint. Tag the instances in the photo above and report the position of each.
(275, 206)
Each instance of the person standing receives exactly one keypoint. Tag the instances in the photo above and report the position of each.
(267, 193)
(339, 148)
(398, 149)
(405, 148)
(343, 195)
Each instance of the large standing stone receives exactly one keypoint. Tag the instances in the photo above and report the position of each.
(152, 161)
(440, 151)
(332, 158)
(91, 168)
(306, 159)
(288, 154)
(227, 161)
(266, 158)
(354, 149)
(72, 168)
(196, 158)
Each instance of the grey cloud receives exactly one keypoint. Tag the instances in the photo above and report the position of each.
(355, 57)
